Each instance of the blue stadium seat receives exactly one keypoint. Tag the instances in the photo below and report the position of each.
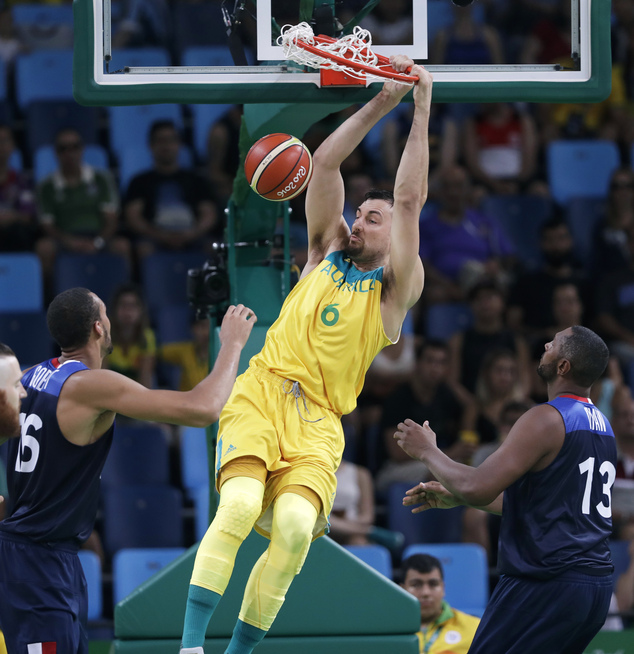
(92, 571)
(194, 459)
(101, 272)
(444, 320)
(200, 497)
(135, 57)
(45, 118)
(173, 323)
(28, 336)
(45, 161)
(583, 216)
(426, 527)
(130, 126)
(44, 75)
(42, 15)
(580, 168)
(142, 516)
(20, 282)
(376, 556)
(135, 160)
(16, 161)
(131, 567)
(466, 572)
(521, 217)
(620, 556)
(139, 455)
(204, 116)
(164, 277)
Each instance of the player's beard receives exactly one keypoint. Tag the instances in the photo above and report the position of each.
(108, 342)
(9, 418)
(547, 371)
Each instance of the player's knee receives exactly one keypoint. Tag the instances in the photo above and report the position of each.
(237, 515)
(294, 523)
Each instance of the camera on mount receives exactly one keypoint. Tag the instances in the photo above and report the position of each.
(208, 286)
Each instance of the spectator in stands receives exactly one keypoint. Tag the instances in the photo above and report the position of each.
(443, 629)
(623, 489)
(611, 251)
(145, 23)
(223, 153)
(429, 396)
(133, 341)
(459, 245)
(390, 23)
(624, 588)
(479, 526)
(169, 207)
(191, 357)
(468, 348)
(17, 201)
(77, 206)
(501, 150)
(531, 297)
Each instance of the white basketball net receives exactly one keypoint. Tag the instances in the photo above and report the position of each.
(354, 47)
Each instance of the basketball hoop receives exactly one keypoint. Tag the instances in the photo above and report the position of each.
(350, 55)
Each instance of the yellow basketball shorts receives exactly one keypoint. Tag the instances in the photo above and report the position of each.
(268, 418)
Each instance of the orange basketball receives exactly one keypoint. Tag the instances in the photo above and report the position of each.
(278, 167)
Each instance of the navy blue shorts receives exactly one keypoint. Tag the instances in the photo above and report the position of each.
(43, 597)
(554, 616)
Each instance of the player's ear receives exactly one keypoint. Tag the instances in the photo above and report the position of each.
(99, 328)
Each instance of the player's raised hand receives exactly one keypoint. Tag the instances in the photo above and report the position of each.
(401, 64)
(237, 325)
(414, 439)
(423, 88)
(430, 495)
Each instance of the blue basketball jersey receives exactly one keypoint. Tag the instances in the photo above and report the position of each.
(560, 518)
(53, 484)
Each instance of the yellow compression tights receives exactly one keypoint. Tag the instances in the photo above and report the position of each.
(240, 506)
(294, 518)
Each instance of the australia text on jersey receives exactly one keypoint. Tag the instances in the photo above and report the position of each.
(363, 285)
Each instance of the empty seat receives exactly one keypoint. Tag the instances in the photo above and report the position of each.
(580, 168)
(44, 75)
(131, 567)
(45, 161)
(142, 516)
(444, 320)
(466, 572)
(194, 459)
(139, 455)
(45, 118)
(130, 126)
(521, 218)
(91, 565)
(28, 336)
(20, 282)
(101, 272)
(376, 556)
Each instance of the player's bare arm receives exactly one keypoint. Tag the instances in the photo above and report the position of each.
(531, 445)
(405, 275)
(327, 229)
(90, 399)
(433, 495)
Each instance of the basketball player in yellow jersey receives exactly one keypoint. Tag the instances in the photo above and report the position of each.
(280, 437)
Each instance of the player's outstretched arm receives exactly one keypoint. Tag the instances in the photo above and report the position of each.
(325, 194)
(105, 390)
(405, 270)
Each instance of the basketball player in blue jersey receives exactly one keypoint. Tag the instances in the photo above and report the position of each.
(280, 438)
(551, 481)
(66, 428)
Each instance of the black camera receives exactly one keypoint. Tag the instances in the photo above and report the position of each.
(208, 286)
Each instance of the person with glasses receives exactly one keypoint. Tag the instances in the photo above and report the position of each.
(78, 206)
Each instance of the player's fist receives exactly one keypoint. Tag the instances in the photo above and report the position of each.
(237, 325)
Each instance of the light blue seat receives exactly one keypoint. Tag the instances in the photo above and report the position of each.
(445, 319)
(41, 15)
(130, 126)
(138, 159)
(20, 282)
(194, 459)
(466, 572)
(44, 75)
(28, 336)
(91, 565)
(580, 168)
(376, 556)
(132, 567)
(45, 161)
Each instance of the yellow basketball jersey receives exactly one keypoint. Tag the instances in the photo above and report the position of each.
(328, 332)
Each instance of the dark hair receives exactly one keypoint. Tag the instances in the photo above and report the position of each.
(587, 353)
(67, 129)
(70, 317)
(158, 125)
(5, 350)
(431, 344)
(128, 288)
(423, 563)
(484, 285)
(553, 223)
(377, 194)
(513, 407)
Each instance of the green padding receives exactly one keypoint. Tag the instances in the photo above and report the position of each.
(335, 593)
(253, 346)
(612, 642)
(88, 92)
(259, 288)
(272, 645)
